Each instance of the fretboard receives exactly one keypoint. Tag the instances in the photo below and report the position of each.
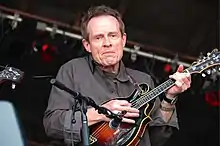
(153, 93)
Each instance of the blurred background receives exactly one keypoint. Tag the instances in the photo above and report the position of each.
(38, 36)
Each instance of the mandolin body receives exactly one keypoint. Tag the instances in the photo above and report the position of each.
(126, 134)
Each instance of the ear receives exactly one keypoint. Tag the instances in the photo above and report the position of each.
(86, 45)
(124, 37)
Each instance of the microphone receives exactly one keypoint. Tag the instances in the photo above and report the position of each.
(116, 118)
(77, 95)
(63, 87)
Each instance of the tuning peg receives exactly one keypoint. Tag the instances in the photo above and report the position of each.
(208, 53)
(10, 69)
(215, 50)
(208, 72)
(203, 75)
(13, 85)
(214, 70)
(211, 62)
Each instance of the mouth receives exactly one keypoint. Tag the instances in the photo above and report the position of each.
(108, 52)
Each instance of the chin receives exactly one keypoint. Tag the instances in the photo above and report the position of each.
(108, 64)
(111, 63)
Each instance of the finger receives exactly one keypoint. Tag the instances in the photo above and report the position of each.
(186, 82)
(129, 109)
(179, 83)
(184, 78)
(123, 102)
(132, 115)
(181, 78)
(126, 120)
(180, 68)
(184, 88)
(180, 87)
(174, 76)
(179, 75)
(186, 75)
(189, 77)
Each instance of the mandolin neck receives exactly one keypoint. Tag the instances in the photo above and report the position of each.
(146, 97)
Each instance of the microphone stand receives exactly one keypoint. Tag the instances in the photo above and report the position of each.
(84, 102)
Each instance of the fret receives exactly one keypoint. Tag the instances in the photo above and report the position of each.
(150, 94)
(162, 86)
(147, 98)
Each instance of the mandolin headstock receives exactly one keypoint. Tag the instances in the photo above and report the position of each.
(207, 65)
(12, 74)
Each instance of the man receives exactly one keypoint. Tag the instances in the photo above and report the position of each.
(102, 76)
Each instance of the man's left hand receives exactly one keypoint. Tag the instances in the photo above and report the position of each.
(183, 82)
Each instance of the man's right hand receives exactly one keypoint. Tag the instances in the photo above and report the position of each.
(117, 106)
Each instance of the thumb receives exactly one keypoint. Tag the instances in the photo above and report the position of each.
(180, 68)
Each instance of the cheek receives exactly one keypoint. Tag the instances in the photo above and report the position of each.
(96, 51)
(120, 49)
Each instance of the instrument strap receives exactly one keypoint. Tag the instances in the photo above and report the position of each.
(133, 81)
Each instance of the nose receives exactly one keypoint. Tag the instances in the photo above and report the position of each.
(107, 42)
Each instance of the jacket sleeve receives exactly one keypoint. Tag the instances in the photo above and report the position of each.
(57, 118)
(159, 130)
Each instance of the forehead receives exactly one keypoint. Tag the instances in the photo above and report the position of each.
(103, 24)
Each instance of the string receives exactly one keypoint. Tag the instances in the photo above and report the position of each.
(169, 83)
(146, 96)
(137, 103)
(104, 126)
(100, 130)
(142, 98)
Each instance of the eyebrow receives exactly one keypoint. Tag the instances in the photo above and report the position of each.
(113, 32)
(99, 34)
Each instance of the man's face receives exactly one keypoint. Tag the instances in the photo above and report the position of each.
(105, 40)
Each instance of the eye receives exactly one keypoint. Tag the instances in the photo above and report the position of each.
(113, 35)
(98, 37)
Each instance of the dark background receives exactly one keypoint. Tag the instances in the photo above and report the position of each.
(188, 28)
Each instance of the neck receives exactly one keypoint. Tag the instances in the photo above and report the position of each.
(111, 69)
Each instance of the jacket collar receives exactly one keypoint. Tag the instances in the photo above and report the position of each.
(122, 75)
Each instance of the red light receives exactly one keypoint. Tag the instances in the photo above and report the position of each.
(45, 47)
(213, 98)
(46, 57)
(167, 68)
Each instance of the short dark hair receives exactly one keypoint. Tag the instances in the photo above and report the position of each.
(100, 11)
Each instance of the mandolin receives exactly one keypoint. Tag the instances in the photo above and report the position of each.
(12, 74)
(130, 134)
